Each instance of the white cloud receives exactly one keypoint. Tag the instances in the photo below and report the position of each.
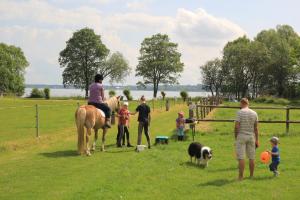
(138, 5)
(201, 29)
(41, 30)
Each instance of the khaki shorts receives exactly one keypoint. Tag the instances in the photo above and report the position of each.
(245, 143)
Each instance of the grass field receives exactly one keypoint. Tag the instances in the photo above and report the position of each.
(49, 168)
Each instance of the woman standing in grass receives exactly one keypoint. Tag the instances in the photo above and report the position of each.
(144, 119)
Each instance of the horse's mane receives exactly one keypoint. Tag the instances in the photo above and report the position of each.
(112, 102)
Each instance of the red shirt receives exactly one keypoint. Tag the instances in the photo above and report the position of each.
(123, 116)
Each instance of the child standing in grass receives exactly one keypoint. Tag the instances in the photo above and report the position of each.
(275, 155)
(180, 122)
(123, 126)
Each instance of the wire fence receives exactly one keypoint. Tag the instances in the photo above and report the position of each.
(33, 118)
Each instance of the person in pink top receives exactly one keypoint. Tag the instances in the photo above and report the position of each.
(97, 98)
(180, 123)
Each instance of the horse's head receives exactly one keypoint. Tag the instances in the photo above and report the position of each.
(114, 103)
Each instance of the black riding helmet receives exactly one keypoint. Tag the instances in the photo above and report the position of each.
(98, 78)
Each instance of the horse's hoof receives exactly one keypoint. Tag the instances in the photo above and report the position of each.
(103, 150)
(93, 149)
(88, 153)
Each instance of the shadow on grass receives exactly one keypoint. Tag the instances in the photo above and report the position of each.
(174, 135)
(60, 154)
(224, 169)
(121, 150)
(191, 164)
(261, 178)
(218, 182)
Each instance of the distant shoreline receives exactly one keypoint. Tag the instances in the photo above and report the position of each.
(188, 88)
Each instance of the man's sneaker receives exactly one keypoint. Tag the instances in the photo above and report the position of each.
(276, 173)
(129, 145)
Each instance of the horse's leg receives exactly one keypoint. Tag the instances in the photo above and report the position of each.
(95, 140)
(88, 133)
(103, 139)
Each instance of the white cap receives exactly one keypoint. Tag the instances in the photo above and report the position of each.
(125, 103)
(274, 139)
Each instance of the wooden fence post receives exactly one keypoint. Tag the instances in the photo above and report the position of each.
(287, 120)
(207, 109)
(201, 108)
(37, 119)
(153, 104)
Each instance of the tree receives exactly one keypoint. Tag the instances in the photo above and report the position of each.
(47, 93)
(283, 47)
(184, 95)
(236, 64)
(85, 55)
(116, 67)
(127, 94)
(36, 93)
(213, 76)
(159, 61)
(112, 93)
(12, 69)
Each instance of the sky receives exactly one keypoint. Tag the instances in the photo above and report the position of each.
(200, 27)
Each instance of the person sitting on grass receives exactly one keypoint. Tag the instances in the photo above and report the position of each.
(123, 126)
(97, 98)
(144, 119)
(180, 123)
(275, 155)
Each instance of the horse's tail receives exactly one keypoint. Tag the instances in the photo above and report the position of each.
(80, 116)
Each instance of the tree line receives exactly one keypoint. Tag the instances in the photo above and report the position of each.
(85, 55)
(267, 65)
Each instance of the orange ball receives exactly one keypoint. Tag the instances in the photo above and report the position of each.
(265, 157)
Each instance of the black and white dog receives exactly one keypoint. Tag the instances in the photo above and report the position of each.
(201, 153)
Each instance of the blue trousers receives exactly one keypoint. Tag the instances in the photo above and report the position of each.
(273, 166)
(180, 131)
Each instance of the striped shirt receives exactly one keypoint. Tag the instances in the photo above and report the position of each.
(247, 119)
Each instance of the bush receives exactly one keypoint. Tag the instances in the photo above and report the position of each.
(184, 95)
(272, 100)
(36, 93)
(127, 94)
(47, 93)
(112, 93)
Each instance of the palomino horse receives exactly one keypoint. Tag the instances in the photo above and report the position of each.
(92, 118)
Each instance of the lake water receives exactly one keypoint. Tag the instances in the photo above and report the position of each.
(136, 94)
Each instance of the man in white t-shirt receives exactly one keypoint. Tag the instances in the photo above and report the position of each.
(246, 137)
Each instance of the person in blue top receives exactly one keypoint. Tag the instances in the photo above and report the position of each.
(275, 155)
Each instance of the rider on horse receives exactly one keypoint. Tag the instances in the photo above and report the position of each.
(97, 98)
